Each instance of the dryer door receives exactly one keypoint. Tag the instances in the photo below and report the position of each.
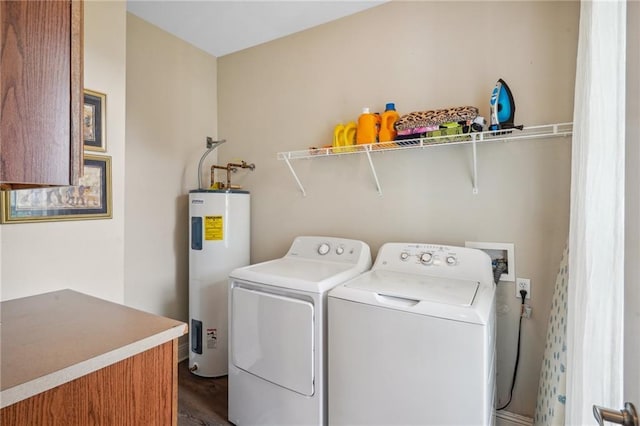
(272, 338)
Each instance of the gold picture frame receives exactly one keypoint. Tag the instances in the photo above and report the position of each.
(91, 199)
(94, 121)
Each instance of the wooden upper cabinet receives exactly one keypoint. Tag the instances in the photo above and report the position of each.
(41, 92)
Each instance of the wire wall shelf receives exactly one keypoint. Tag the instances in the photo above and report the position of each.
(476, 138)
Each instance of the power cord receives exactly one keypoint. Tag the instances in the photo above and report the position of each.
(523, 294)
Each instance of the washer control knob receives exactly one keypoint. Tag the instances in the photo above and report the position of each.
(426, 258)
(404, 255)
(451, 260)
(339, 250)
(323, 249)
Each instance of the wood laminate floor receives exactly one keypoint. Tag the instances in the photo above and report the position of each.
(201, 401)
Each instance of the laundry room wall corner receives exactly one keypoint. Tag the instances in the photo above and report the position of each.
(312, 80)
(171, 109)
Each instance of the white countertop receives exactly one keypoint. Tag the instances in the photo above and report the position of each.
(54, 338)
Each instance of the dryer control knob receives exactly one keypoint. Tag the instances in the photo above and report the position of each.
(339, 250)
(404, 255)
(451, 260)
(323, 249)
(426, 258)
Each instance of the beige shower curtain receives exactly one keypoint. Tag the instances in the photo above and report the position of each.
(596, 231)
(587, 311)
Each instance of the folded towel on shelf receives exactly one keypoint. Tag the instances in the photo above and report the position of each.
(421, 121)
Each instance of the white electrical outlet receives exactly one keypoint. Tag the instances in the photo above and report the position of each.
(523, 284)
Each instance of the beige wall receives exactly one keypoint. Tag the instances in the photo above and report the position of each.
(171, 109)
(288, 95)
(87, 256)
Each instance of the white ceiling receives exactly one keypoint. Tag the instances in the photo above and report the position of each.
(222, 27)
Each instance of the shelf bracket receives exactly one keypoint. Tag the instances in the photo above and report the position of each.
(475, 163)
(295, 176)
(373, 171)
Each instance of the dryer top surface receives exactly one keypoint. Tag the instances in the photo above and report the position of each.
(298, 274)
(313, 264)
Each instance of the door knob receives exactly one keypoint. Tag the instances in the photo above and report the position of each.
(627, 416)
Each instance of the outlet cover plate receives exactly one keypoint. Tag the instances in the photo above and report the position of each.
(523, 284)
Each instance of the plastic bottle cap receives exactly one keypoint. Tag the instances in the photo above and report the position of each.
(365, 110)
(390, 107)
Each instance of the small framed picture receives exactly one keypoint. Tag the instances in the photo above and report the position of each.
(91, 199)
(94, 121)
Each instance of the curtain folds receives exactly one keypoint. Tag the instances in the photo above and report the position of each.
(596, 235)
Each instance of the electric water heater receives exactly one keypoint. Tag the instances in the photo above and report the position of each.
(219, 229)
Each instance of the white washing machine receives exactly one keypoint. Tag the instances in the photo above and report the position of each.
(277, 331)
(412, 341)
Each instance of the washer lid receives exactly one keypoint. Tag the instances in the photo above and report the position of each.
(449, 291)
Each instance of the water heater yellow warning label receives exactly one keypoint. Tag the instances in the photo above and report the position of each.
(213, 226)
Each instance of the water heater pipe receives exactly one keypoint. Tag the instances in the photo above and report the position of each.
(230, 167)
(211, 145)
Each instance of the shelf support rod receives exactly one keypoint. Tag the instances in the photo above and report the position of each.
(373, 171)
(475, 164)
(295, 176)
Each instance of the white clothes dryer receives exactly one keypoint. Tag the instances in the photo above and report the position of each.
(277, 331)
(412, 341)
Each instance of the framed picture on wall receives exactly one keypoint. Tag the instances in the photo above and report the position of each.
(94, 121)
(91, 199)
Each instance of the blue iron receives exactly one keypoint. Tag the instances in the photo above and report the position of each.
(503, 108)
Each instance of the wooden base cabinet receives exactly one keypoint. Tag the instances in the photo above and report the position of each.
(140, 390)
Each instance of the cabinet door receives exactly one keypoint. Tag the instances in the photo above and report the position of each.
(40, 92)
